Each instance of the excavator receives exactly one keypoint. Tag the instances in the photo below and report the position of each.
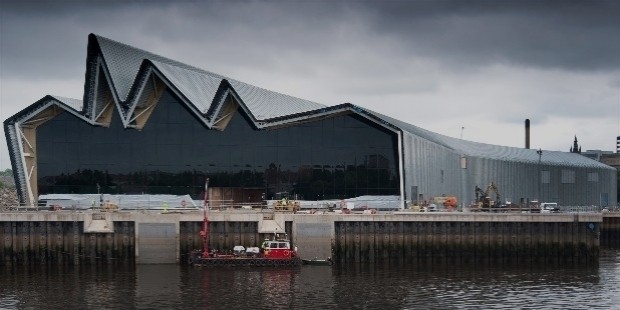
(484, 201)
(286, 205)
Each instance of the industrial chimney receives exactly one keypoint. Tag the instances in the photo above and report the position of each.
(527, 133)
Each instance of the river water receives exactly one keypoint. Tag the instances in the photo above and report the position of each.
(314, 287)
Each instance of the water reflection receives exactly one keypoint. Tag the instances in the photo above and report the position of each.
(351, 286)
(284, 288)
(449, 287)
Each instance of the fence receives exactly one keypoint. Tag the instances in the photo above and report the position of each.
(182, 203)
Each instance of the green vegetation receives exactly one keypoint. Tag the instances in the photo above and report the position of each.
(5, 173)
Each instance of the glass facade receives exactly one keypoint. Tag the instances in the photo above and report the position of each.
(339, 157)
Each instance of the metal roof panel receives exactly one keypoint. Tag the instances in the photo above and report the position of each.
(199, 88)
(75, 104)
(198, 85)
(499, 152)
(265, 104)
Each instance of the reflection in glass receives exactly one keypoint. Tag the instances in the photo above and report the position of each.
(340, 157)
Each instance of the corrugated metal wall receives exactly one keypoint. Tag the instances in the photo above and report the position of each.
(433, 169)
(436, 170)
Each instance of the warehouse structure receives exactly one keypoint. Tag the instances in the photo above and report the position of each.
(148, 124)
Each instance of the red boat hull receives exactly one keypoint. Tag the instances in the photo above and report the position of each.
(245, 261)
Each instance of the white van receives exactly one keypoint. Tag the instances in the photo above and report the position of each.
(549, 207)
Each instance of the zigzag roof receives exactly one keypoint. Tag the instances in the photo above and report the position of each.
(127, 70)
(126, 65)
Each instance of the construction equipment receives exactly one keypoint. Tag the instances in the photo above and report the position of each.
(484, 198)
(449, 202)
(109, 207)
(286, 204)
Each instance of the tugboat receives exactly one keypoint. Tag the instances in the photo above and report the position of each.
(275, 252)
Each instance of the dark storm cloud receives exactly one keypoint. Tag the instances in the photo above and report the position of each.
(250, 31)
(570, 35)
(582, 35)
(34, 32)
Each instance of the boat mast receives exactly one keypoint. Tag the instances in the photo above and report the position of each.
(205, 223)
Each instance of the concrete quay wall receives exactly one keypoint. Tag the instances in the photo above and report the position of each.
(153, 237)
(610, 229)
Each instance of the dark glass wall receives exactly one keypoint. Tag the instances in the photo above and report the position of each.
(340, 157)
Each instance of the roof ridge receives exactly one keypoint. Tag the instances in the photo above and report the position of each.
(202, 71)
(125, 62)
(76, 104)
(63, 97)
(158, 57)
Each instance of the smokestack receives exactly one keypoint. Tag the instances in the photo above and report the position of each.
(618, 144)
(527, 133)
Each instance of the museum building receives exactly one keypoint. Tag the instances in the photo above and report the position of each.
(148, 124)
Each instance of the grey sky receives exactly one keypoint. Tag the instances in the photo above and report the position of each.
(440, 65)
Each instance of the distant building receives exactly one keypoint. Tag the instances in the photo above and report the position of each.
(575, 148)
(596, 154)
(611, 159)
(606, 157)
(149, 124)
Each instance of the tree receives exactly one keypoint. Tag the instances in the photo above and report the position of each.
(8, 173)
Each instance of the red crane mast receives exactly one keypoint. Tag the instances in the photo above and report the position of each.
(205, 223)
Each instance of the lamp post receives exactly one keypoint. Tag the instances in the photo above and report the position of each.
(539, 152)
(463, 179)
(100, 196)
